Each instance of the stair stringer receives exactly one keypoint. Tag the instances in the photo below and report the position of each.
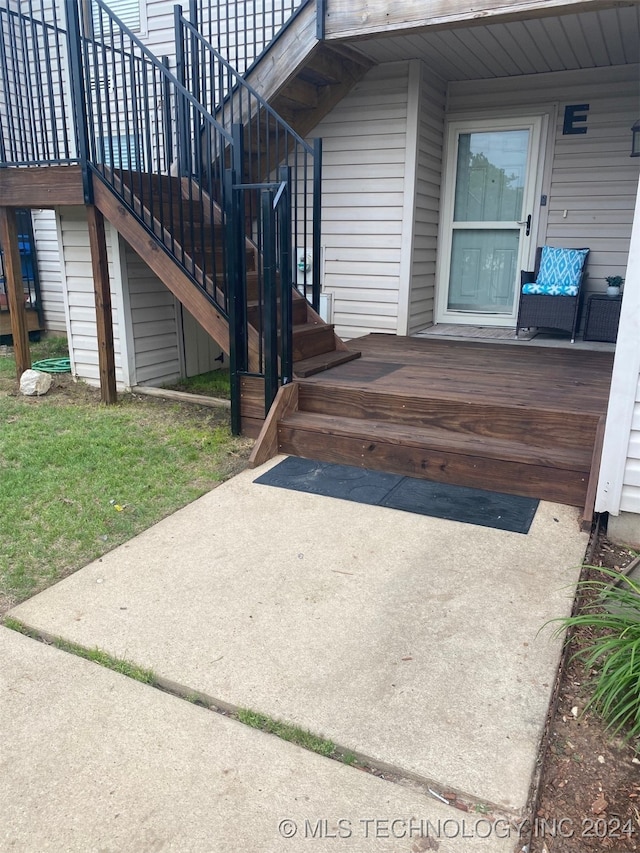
(149, 248)
(151, 252)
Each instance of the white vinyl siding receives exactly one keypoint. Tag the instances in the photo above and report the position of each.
(147, 343)
(591, 179)
(160, 37)
(200, 350)
(45, 236)
(364, 151)
(152, 317)
(80, 299)
(129, 13)
(427, 205)
(630, 499)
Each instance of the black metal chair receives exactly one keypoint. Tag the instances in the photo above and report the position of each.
(550, 303)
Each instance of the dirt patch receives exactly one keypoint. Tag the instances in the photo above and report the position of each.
(590, 784)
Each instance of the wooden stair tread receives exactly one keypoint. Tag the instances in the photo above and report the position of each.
(570, 459)
(311, 326)
(319, 363)
(438, 380)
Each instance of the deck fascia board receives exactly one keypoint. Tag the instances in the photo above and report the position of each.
(349, 20)
(41, 186)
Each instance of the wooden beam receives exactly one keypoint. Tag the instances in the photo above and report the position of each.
(15, 288)
(102, 292)
(350, 19)
(287, 54)
(300, 94)
(45, 186)
(350, 72)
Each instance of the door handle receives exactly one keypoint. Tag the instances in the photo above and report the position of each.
(526, 222)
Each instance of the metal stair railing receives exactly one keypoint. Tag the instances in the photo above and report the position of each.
(243, 30)
(131, 103)
(269, 143)
(90, 93)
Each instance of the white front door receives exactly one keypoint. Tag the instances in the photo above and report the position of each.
(487, 219)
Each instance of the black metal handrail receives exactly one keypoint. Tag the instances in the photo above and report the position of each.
(268, 143)
(265, 306)
(136, 110)
(242, 30)
(36, 122)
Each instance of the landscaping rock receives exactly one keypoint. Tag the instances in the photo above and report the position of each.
(33, 383)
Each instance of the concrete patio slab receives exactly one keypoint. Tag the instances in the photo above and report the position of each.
(93, 761)
(411, 640)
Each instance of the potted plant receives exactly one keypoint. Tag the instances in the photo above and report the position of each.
(614, 283)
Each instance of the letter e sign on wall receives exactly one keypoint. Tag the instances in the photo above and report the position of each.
(575, 119)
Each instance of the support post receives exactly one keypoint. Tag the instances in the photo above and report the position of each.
(74, 46)
(271, 381)
(102, 292)
(321, 12)
(15, 288)
(235, 301)
(316, 247)
(286, 278)
(182, 105)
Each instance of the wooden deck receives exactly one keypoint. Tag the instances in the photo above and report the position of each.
(513, 418)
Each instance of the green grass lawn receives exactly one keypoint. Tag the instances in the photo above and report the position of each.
(78, 478)
(215, 383)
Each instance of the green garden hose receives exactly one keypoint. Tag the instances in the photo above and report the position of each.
(53, 365)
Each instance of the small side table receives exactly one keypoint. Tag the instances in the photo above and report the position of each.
(603, 317)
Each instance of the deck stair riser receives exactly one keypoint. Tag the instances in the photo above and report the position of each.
(503, 419)
(543, 428)
(457, 462)
(298, 311)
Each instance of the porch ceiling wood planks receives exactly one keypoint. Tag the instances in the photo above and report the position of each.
(504, 417)
(42, 187)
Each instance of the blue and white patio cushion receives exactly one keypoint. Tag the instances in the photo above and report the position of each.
(560, 272)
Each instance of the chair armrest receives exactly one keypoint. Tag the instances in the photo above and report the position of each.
(527, 277)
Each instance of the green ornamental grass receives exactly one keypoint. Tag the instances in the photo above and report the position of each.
(613, 614)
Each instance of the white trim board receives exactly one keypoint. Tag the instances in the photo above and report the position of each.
(624, 383)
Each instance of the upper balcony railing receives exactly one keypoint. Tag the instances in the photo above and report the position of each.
(36, 121)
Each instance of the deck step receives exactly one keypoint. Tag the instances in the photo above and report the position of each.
(550, 473)
(312, 339)
(541, 427)
(298, 312)
(325, 361)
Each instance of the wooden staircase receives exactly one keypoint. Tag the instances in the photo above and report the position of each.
(196, 239)
(484, 416)
(302, 77)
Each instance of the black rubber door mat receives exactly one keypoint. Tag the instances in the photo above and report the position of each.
(376, 488)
